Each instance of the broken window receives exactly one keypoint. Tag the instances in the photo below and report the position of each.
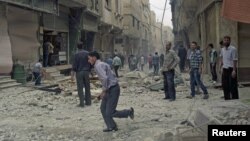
(94, 5)
(108, 4)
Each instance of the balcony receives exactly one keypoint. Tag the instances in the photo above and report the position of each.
(47, 6)
(73, 3)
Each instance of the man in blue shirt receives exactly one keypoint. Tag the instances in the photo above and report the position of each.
(110, 93)
(156, 63)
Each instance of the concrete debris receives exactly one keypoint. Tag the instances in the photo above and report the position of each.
(160, 85)
(157, 78)
(123, 84)
(156, 119)
(135, 74)
(157, 86)
(147, 81)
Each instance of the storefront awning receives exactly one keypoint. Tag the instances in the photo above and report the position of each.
(90, 23)
(56, 23)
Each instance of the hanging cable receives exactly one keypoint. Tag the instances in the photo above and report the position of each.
(162, 23)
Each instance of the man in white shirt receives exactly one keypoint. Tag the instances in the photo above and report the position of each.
(117, 63)
(37, 72)
(229, 58)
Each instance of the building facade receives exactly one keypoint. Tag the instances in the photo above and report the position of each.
(202, 21)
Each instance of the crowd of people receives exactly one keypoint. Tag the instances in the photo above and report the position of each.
(189, 60)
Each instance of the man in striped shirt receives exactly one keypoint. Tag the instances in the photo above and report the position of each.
(195, 71)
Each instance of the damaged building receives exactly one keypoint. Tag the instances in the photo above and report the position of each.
(208, 21)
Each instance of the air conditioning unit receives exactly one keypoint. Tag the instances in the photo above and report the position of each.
(116, 14)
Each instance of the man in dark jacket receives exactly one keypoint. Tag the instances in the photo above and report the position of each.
(182, 53)
(81, 68)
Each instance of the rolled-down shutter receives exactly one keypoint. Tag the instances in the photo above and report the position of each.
(56, 23)
(5, 46)
(23, 26)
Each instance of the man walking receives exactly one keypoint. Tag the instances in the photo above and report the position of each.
(37, 72)
(213, 60)
(142, 62)
(156, 61)
(170, 62)
(117, 63)
(182, 53)
(110, 93)
(195, 71)
(229, 58)
(81, 68)
(150, 59)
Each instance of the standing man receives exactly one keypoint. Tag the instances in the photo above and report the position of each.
(142, 62)
(170, 62)
(161, 60)
(195, 71)
(110, 93)
(188, 57)
(150, 58)
(81, 68)
(156, 61)
(47, 52)
(182, 53)
(213, 61)
(117, 63)
(229, 58)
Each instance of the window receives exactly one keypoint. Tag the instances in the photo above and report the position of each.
(108, 4)
(94, 5)
(118, 41)
(117, 6)
(133, 21)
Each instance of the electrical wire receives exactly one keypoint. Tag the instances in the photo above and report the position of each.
(155, 7)
(162, 23)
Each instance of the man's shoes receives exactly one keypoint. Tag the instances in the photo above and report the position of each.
(171, 100)
(190, 97)
(80, 105)
(131, 115)
(110, 129)
(206, 96)
(88, 104)
(198, 92)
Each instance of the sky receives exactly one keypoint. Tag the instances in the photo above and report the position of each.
(157, 6)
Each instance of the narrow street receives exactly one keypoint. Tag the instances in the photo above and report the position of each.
(163, 51)
(29, 114)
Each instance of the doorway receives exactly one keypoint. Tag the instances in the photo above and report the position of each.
(59, 41)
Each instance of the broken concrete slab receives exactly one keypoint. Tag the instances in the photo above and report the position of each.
(202, 119)
(160, 85)
(156, 87)
(135, 74)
